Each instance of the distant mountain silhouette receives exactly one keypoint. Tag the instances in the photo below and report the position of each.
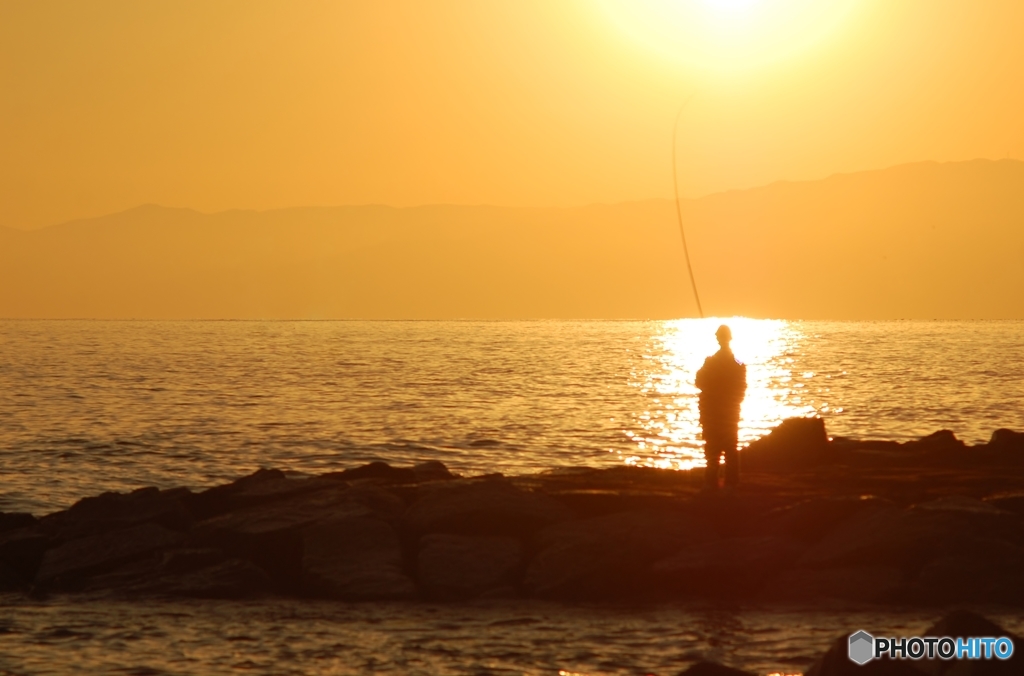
(923, 240)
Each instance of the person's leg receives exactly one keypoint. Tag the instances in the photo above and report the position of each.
(732, 461)
(712, 455)
(732, 467)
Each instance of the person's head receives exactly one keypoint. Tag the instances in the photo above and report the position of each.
(724, 335)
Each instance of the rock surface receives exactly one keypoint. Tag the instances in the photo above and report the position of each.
(796, 442)
(487, 506)
(354, 558)
(460, 567)
(608, 556)
(836, 662)
(928, 523)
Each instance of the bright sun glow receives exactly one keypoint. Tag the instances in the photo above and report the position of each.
(667, 432)
(731, 5)
(724, 35)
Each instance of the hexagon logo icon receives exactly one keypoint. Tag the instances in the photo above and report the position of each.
(862, 647)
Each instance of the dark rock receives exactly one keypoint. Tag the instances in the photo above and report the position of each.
(1007, 440)
(965, 624)
(862, 584)
(117, 511)
(15, 520)
(810, 520)
(840, 444)
(66, 565)
(725, 568)
(432, 470)
(607, 557)
(259, 488)
(355, 558)
(712, 669)
(228, 579)
(220, 579)
(459, 567)
(960, 504)
(270, 534)
(188, 560)
(379, 471)
(11, 580)
(796, 442)
(1008, 502)
(482, 507)
(943, 440)
(990, 572)
(837, 662)
(908, 538)
(118, 579)
(21, 552)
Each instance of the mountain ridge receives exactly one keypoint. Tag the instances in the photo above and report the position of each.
(767, 186)
(919, 240)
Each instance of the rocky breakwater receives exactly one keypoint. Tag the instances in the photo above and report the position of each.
(927, 523)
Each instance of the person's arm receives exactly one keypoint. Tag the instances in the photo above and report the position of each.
(702, 375)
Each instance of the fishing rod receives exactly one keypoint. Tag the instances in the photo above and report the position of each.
(679, 208)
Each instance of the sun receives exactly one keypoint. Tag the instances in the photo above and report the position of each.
(731, 5)
(723, 35)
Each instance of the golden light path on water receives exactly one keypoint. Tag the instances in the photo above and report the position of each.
(667, 433)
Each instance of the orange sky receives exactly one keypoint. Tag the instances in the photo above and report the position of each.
(248, 104)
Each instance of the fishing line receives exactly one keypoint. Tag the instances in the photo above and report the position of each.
(679, 208)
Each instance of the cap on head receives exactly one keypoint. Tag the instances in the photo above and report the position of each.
(724, 334)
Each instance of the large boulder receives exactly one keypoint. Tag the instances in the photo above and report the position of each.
(608, 557)
(1007, 440)
(15, 520)
(795, 443)
(66, 566)
(861, 583)
(271, 534)
(949, 550)
(381, 472)
(836, 662)
(1008, 502)
(117, 511)
(940, 441)
(908, 538)
(487, 506)
(988, 572)
(810, 520)
(966, 624)
(354, 558)
(21, 552)
(220, 578)
(262, 487)
(730, 567)
(228, 579)
(459, 566)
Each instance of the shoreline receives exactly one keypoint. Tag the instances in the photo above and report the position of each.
(811, 516)
(817, 525)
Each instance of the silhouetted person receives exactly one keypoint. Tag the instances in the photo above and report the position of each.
(722, 382)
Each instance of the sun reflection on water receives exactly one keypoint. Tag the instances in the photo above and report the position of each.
(667, 432)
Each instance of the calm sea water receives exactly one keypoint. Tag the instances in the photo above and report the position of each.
(91, 406)
(87, 406)
(508, 637)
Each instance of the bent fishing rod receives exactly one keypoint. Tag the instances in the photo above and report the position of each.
(679, 208)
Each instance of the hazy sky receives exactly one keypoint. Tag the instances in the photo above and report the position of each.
(248, 104)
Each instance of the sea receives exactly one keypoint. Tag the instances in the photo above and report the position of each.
(93, 406)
